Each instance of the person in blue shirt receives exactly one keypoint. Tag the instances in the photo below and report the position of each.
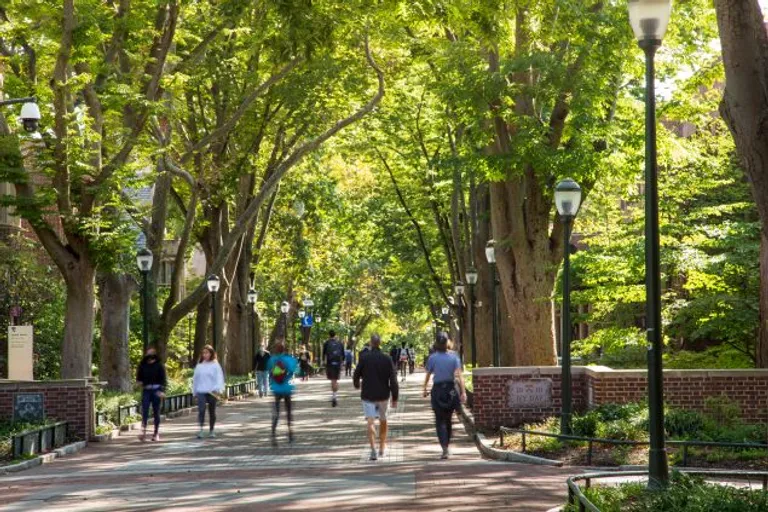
(281, 368)
(445, 365)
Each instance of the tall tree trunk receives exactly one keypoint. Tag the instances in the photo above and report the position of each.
(201, 326)
(483, 288)
(744, 42)
(77, 346)
(115, 292)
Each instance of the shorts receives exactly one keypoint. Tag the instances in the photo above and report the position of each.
(333, 372)
(376, 409)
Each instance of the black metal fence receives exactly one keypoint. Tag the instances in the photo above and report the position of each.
(172, 403)
(38, 440)
(577, 497)
(591, 441)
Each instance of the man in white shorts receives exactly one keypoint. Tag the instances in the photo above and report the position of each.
(379, 385)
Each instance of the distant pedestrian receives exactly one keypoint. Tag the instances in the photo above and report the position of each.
(260, 361)
(379, 384)
(305, 362)
(281, 369)
(446, 367)
(152, 378)
(207, 383)
(333, 353)
(402, 361)
(348, 360)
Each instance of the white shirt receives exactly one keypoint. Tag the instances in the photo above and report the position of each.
(208, 378)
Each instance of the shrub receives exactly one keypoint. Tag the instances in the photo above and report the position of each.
(679, 423)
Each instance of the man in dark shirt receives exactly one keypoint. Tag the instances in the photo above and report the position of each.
(260, 361)
(379, 384)
(333, 353)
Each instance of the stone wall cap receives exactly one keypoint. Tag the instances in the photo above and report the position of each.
(68, 383)
(604, 371)
(526, 370)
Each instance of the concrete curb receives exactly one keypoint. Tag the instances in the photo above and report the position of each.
(44, 458)
(485, 448)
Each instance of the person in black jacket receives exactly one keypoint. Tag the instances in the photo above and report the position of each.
(260, 361)
(152, 379)
(379, 384)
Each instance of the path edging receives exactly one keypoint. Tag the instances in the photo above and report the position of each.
(44, 458)
(485, 447)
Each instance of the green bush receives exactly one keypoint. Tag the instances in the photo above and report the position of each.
(685, 493)
(682, 424)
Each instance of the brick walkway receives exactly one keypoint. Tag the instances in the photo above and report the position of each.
(327, 468)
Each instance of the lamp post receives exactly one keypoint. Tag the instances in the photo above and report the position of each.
(459, 289)
(490, 254)
(213, 284)
(472, 281)
(252, 298)
(302, 315)
(144, 262)
(284, 308)
(567, 200)
(649, 19)
(309, 304)
(446, 317)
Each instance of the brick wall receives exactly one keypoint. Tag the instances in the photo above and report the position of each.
(64, 400)
(686, 389)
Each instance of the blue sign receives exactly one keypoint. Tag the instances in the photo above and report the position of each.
(307, 321)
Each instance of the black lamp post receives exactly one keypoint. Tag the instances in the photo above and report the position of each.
(446, 317)
(213, 284)
(490, 254)
(459, 288)
(309, 304)
(144, 262)
(649, 20)
(252, 298)
(472, 281)
(567, 200)
(284, 308)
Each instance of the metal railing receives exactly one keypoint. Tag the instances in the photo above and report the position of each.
(173, 403)
(591, 441)
(577, 497)
(39, 440)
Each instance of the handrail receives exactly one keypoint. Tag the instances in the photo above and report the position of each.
(576, 496)
(592, 440)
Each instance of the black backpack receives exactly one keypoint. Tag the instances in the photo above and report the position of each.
(335, 351)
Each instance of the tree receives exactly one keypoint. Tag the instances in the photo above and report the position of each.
(744, 42)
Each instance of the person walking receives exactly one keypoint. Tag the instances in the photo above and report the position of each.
(379, 377)
(445, 365)
(281, 369)
(152, 378)
(333, 353)
(348, 360)
(411, 359)
(305, 365)
(260, 361)
(402, 361)
(207, 382)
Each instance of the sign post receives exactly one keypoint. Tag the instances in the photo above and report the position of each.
(20, 354)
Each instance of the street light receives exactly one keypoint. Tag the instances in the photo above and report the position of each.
(144, 262)
(213, 284)
(490, 254)
(649, 20)
(472, 281)
(284, 308)
(567, 201)
(459, 289)
(252, 298)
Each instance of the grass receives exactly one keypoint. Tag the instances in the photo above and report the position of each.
(685, 493)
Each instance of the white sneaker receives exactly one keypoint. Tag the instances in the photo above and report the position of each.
(212, 434)
(200, 434)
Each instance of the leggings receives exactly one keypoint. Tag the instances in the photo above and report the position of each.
(288, 411)
(149, 396)
(202, 400)
(444, 426)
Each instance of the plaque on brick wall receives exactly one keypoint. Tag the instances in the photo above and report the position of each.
(530, 393)
(28, 407)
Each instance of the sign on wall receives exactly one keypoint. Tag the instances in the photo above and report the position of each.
(530, 393)
(20, 355)
(28, 407)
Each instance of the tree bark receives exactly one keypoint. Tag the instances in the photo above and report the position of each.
(744, 42)
(201, 326)
(115, 292)
(76, 347)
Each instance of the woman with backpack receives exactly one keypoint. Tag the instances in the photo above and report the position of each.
(281, 368)
(207, 382)
(445, 365)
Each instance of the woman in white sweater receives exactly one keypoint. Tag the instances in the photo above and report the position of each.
(207, 380)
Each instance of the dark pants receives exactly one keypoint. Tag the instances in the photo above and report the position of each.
(204, 399)
(149, 396)
(443, 416)
(288, 411)
(348, 369)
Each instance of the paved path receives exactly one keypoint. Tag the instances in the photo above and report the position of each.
(327, 468)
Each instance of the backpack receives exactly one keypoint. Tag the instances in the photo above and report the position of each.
(279, 372)
(335, 351)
